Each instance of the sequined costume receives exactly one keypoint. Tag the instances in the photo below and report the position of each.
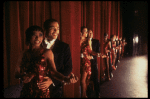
(33, 62)
(113, 53)
(105, 60)
(85, 62)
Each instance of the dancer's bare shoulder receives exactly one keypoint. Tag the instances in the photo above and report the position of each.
(48, 54)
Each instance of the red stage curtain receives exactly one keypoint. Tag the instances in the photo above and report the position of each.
(100, 16)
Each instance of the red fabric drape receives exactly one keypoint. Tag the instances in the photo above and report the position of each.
(70, 30)
(119, 20)
(100, 16)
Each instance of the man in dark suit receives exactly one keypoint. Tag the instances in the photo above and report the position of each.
(117, 51)
(94, 66)
(62, 56)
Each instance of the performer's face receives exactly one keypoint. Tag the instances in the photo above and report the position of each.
(84, 32)
(53, 31)
(120, 38)
(113, 38)
(116, 37)
(36, 38)
(90, 34)
(105, 37)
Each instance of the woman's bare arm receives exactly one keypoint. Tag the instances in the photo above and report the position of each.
(49, 57)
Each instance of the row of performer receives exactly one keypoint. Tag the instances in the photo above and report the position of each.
(46, 66)
(113, 50)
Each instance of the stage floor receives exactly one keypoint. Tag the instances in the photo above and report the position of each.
(130, 79)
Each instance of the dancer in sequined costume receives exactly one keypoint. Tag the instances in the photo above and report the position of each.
(85, 68)
(33, 63)
(113, 48)
(106, 51)
(37, 65)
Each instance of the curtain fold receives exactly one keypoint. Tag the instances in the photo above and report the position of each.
(70, 30)
(100, 16)
(119, 19)
(14, 33)
(83, 13)
(4, 49)
(109, 18)
(97, 28)
(75, 41)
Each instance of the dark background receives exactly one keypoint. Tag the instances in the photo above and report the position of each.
(135, 21)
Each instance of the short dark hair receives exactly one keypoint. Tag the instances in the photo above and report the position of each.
(29, 32)
(90, 29)
(124, 38)
(83, 28)
(47, 22)
(105, 34)
(112, 36)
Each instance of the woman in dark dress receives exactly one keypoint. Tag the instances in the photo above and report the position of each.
(36, 65)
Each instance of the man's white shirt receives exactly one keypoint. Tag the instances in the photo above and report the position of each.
(49, 43)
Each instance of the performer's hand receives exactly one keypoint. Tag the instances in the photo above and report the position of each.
(117, 47)
(27, 78)
(98, 54)
(104, 56)
(73, 79)
(89, 57)
(44, 85)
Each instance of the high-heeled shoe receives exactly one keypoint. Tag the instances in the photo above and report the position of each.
(111, 75)
(113, 67)
(116, 66)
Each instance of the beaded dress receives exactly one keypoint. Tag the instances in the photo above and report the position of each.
(85, 62)
(33, 62)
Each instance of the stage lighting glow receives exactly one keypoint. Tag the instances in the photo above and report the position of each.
(136, 39)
